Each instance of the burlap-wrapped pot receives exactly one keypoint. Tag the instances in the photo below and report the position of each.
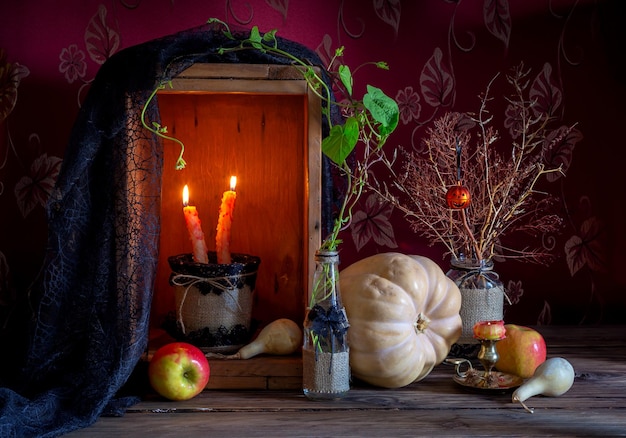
(214, 301)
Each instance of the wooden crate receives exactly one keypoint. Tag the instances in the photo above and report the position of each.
(261, 123)
(261, 372)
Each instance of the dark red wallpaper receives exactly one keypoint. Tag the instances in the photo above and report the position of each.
(442, 54)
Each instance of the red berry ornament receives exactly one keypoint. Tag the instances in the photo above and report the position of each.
(458, 197)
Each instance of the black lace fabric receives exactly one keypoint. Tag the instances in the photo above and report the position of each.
(92, 316)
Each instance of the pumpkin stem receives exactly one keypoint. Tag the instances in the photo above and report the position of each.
(421, 323)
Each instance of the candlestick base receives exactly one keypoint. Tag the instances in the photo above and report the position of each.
(484, 381)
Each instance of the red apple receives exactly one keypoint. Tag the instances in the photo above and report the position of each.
(521, 352)
(179, 371)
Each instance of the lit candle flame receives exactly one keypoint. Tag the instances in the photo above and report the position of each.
(185, 196)
(233, 183)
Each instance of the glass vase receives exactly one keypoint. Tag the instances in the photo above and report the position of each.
(482, 295)
(325, 352)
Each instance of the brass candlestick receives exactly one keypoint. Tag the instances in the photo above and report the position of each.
(488, 355)
(488, 333)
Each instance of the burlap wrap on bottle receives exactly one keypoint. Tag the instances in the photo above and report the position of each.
(482, 295)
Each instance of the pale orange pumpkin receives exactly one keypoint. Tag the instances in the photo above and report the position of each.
(404, 317)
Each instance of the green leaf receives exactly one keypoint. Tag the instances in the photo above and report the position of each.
(255, 38)
(346, 78)
(270, 37)
(382, 65)
(383, 109)
(341, 141)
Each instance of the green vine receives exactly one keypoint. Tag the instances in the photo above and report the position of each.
(161, 131)
(370, 121)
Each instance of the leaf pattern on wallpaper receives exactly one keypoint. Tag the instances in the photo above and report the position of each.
(546, 92)
(587, 248)
(373, 223)
(436, 81)
(497, 18)
(34, 189)
(389, 11)
(325, 49)
(513, 120)
(560, 152)
(279, 5)
(100, 39)
(10, 77)
(514, 291)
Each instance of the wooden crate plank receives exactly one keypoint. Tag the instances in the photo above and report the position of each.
(284, 383)
(266, 366)
(235, 72)
(225, 71)
(239, 382)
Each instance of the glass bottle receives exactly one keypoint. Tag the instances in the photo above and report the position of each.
(482, 294)
(325, 352)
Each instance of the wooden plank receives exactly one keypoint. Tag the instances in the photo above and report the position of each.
(226, 71)
(258, 366)
(274, 383)
(238, 382)
(262, 372)
(391, 422)
(298, 87)
(285, 383)
(242, 71)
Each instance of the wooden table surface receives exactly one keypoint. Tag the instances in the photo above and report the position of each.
(433, 407)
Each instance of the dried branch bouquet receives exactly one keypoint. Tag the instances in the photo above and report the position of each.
(463, 192)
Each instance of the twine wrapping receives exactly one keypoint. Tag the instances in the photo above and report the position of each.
(213, 310)
(315, 378)
(482, 296)
(479, 305)
(326, 372)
